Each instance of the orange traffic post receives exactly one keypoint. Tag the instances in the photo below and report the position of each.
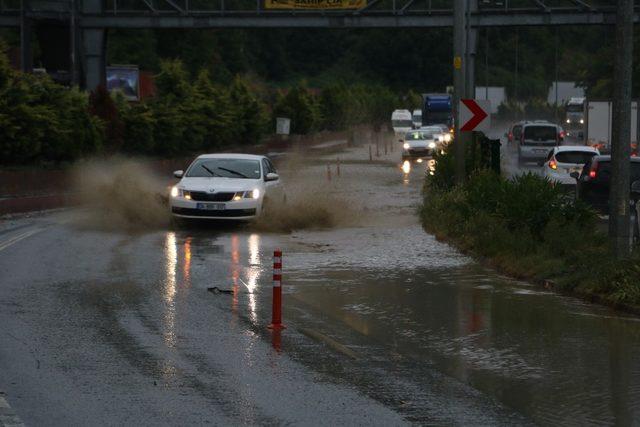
(276, 311)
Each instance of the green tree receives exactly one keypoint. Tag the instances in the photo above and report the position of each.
(298, 105)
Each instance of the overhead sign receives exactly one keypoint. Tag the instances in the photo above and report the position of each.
(314, 4)
(475, 115)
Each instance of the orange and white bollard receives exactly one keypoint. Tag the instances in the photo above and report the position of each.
(276, 311)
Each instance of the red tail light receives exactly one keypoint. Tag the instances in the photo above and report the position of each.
(510, 136)
(553, 164)
(593, 172)
(562, 134)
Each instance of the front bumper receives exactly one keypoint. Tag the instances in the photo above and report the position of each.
(245, 209)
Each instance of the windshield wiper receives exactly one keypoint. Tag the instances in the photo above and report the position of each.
(208, 170)
(233, 172)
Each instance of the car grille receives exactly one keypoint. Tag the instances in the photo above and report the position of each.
(201, 196)
(228, 213)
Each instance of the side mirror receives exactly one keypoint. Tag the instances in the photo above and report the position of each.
(635, 187)
(574, 175)
(272, 177)
(178, 174)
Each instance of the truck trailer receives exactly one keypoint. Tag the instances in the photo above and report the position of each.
(598, 125)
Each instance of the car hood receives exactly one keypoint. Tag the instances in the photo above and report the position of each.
(216, 184)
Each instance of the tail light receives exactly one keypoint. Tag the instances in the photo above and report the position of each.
(510, 136)
(553, 164)
(562, 134)
(593, 172)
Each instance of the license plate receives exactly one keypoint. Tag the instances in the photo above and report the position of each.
(540, 150)
(211, 206)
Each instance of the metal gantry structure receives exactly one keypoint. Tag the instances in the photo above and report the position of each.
(253, 14)
(89, 20)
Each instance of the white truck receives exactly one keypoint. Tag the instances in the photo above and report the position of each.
(598, 125)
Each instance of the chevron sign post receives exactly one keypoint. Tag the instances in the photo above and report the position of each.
(475, 115)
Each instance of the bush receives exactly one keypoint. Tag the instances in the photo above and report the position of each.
(530, 229)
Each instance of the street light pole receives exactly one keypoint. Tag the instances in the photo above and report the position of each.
(619, 215)
(459, 65)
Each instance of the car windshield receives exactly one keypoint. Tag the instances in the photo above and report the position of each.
(402, 123)
(575, 108)
(225, 168)
(575, 157)
(540, 133)
(419, 135)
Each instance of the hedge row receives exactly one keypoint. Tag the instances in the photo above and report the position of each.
(41, 121)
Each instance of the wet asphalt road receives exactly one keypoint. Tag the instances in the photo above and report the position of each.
(102, 326)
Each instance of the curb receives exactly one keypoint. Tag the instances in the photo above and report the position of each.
(8, 418)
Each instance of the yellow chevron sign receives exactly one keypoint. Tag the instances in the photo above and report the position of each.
(314, 4)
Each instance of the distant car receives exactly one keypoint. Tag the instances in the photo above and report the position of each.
(515, 132)
(423, 142)
(565, 159)
(443, 134)
(537, 139)
(595, 179)
(417, 118)
(226, 186)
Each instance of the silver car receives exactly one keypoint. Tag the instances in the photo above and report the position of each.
(537, 139)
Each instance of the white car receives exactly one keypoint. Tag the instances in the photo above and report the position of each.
(226, 186)
(420, 143)
(565, 159)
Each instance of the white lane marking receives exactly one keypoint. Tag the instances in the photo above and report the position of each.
(4, 245)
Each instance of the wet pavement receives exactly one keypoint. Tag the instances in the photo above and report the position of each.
(108, 327)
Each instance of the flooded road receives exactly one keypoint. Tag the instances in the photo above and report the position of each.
(385, 325)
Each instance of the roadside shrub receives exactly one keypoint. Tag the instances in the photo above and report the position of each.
(530, 229)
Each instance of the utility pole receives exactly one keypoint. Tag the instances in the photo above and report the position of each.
(486, 63)
(72, 43)
(459, 65)
(619, 215)
(556, 75)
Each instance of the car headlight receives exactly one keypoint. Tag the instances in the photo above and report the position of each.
(251, 194)
(432, 145)
(568, 120)
(176, 192)
(581, 121)
(447, 137)
(405, 145)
